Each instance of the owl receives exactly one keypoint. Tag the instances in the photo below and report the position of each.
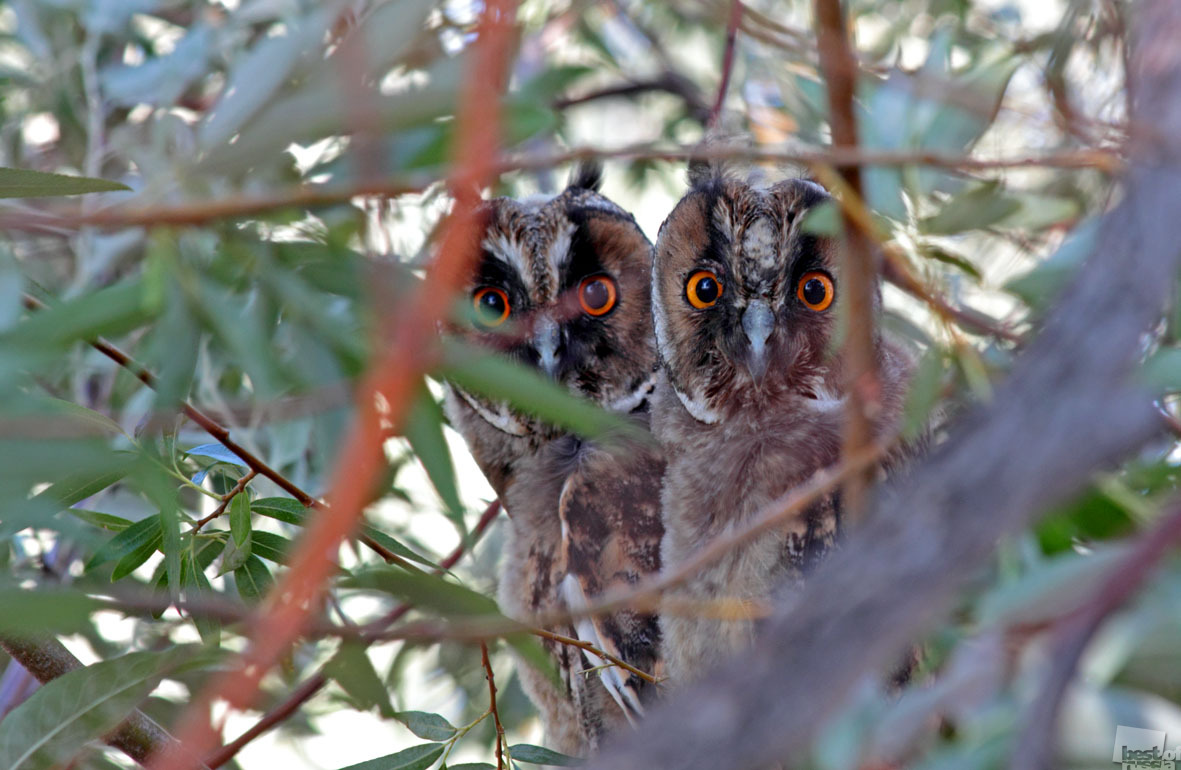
(750, 401)
(562, 284)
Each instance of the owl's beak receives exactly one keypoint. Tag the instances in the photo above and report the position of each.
(757, 323)
(546, 338)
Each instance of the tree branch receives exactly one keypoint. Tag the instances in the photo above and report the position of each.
(492, 705)
(937, 528)
(46, 659)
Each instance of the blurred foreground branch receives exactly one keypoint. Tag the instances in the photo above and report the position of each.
(936, 528)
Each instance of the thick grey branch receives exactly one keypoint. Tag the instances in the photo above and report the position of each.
(47, 659)
(1067, 409)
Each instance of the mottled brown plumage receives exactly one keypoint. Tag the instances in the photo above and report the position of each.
(574, 272)
(751, 401)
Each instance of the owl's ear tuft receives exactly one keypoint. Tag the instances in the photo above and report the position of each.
(709, 170)
(588, 175)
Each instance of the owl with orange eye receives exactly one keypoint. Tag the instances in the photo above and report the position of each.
(562, 284)
(751, 398)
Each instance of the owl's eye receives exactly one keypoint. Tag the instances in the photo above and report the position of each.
(597, 294)
(815, 291)
(703, 289)
(491, 306)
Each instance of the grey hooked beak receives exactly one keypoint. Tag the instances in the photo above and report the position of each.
(546, 337)
(757, 322)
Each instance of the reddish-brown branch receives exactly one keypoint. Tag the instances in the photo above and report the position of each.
(736, 10)
(314, 683)
(859, 264)
(226, 499)
(492, 705)
(394, 379)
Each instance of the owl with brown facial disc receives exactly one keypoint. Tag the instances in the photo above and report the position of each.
(562, 284)
(751, 399)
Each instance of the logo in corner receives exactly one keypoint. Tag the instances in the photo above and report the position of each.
(1140, 749)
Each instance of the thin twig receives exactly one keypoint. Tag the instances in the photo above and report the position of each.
(222, 435)
(1033, 751)
(314, 683)
(492, 705)
(226, 499)
(859, 263)
(736, 10)
(584, 645)
(311, 196)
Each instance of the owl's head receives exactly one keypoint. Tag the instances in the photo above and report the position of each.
(745, 300)
(562, 284)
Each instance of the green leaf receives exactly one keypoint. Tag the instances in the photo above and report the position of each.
(74, 489)
(128, 541)
(57, 721)
(413, 758)
(23, 183)
(196, 585)
(472, 766)
(824, 219)
(269, 546)
(97, 518)
(353, 671)
(282, 509)
(537, 755)
(527, 390)
(1162, 370)
(429, 726)
(240, 518)
(234, 555)
(36, 611)
(112, 311)
(972, 209)
(424, 430)
(253, 579)
(424, 591)
(529, 648)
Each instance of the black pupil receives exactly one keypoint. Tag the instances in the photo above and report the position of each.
(707, 289)
(491, 305)
(814, 291)
(596, 295)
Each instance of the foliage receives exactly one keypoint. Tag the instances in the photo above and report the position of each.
(282, 164)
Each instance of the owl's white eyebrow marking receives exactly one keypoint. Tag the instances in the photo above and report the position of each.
(630, 401)
(503, 420)
(699, 410)
(503, 247)
(558, 252)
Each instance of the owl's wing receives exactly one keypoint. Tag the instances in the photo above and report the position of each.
(611, 530)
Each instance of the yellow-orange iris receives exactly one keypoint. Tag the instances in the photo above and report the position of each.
(703, 289)
(815, 290)
(597, 294)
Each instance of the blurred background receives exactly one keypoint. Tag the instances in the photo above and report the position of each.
(286, 165)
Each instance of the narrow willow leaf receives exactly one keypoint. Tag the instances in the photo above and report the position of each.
(106, 521)
(110, 311)
(282, 509)
(240, 518)
(429, 726)
(75, 489)
(424, 591)
(472, 766)
(529, 649)
(537, 755)
(40, 611)
(234, 555)
(253, 580)
(126, 542)
(413, 758)
(217, 452)
(23, 183)
(196, 586)
(269, 546)
(354, 672)
(424, 430)
(134, 560)
(500, 379)
(59, 719)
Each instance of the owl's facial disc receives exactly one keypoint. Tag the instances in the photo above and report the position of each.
(547, 338)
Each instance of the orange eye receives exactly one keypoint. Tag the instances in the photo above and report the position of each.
(703, 289)
(815, 290)
(491, 306)
(597, 294)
